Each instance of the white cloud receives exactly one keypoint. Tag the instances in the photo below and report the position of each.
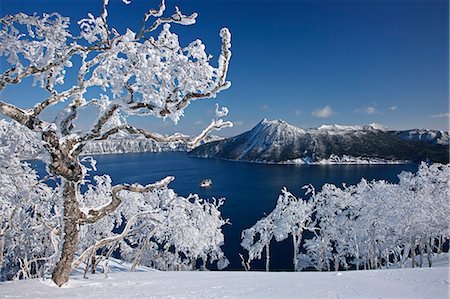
(297, 112)
(440, 115)
(393, 108)
(370, 110)
(198, 122)
(238, 123)
(264, 107)
(325, 112)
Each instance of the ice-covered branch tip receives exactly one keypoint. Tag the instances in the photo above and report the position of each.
(225, 56)
(178, 18)
(155, 13)
(216, 124)
(221, 112)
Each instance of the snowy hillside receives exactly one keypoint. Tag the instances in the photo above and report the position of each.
(396, 283)
(426, 136)
(279, 142)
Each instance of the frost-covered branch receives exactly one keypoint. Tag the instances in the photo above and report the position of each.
(216, 124)
(22, 117)
(178, 18)
(87, 252)
(95, 214)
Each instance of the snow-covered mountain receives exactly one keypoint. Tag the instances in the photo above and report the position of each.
(279, 142)
(426, 136)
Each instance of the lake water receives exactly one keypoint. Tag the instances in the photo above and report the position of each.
(251, 190)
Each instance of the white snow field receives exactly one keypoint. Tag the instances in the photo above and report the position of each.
(394, 283)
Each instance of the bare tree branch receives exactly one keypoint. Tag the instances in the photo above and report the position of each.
(214, 125)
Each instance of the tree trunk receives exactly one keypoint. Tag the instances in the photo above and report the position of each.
(388, 263)
(267, 257)
(93, 264)
(295, 259)
(429, 252)
(297, 238)
(71, 216)
(405, 255)
(138, 257)
(2, 245)
(336, 263)
(357, 253)
(421, 247)
(413, 255)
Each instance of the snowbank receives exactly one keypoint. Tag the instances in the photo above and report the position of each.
(398, 283)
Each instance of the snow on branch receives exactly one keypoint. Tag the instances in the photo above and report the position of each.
(88, 251)
(95, 214)
(160, 85)
(95, 134)
(178, 17)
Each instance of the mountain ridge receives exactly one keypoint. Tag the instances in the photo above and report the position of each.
(276, 141)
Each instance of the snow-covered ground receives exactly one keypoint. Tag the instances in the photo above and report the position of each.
(395, 283)
(344, 160)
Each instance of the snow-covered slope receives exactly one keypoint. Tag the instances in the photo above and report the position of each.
(426, 136)
(395, 283)
(279, 142)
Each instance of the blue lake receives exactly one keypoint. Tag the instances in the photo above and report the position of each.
(251, 190)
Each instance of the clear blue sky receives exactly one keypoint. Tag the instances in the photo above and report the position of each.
(307, 62)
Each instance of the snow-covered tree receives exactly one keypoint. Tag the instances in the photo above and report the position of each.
(188, 231)
(146, 72)
(373, 224)
(291, 216)
(368, 225)
(156, 228)
(29, 221)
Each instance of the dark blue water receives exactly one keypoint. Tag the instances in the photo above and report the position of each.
(251, 190)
